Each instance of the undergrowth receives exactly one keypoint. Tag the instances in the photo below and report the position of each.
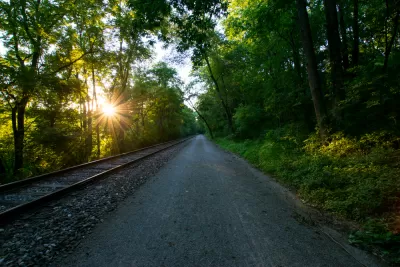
(355, 178)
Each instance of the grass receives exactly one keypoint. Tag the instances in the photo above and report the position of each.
(353, 178)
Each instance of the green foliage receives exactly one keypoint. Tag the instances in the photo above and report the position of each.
(375, 233)
(61, 62)
(343, 176)
(6, 148)
(158, 110)
(247, 149)
(193, 21)
(189, 122)
(248, 121)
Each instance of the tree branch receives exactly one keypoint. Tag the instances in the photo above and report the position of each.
(11, 20)
(7, 98)
(72, 62)
(25, 23)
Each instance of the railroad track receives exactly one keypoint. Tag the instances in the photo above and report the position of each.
(21, 196)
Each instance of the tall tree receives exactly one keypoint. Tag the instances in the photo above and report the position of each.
(343, 33)
(335, 58)
(223, 102)
(189, 94)
(389, 41)
(313, 75)
(356, 35)
(30, 27)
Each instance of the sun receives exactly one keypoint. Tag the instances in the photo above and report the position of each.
(109, 110)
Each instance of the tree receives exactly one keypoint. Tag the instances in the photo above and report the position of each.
(343, 33)
(356, 36)
(29, 28)
(157, 105)
(60, 59)
(190, 94)
(335, 58)
(313, 75)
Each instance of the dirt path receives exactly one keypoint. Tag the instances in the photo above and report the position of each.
(207, 207)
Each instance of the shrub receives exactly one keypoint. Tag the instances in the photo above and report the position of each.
(376, 233)
(354, 178)
(248, 121)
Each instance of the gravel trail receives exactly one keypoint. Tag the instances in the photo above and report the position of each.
(207, 207)
(51, 233)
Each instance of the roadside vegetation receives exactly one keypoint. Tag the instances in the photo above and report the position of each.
(345, 177)
(308, 91)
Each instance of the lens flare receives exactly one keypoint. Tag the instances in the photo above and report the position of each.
(109, 110)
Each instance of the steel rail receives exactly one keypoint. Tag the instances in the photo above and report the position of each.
(18, 184)
(9, 214)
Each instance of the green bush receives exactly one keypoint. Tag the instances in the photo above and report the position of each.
(340, 176)
(376, 233)
(246, 119)
(354, 178)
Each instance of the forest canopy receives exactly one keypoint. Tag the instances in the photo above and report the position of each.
(77, 85)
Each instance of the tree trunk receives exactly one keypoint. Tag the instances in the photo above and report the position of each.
(313, 76)
(307, 109)
(3, 170)
(334, 47)
(205, 121)
(296, 61)
(18, 120)
(224, 105)
(389, 45)
(343, 33)
(97, 112)
(142, 115)
(89, 138)
(356, 37)
(98, 140)
(121, 140)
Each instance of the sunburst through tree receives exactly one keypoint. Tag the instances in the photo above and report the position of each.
(114, 117)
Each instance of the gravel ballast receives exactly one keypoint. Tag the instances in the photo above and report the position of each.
(51, 232)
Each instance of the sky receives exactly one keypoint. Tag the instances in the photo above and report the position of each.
(182, 63)
(169, 54)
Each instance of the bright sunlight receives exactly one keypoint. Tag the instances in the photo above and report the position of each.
(109, 110)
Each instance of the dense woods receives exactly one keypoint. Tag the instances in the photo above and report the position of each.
(309, 91)
(305, 90)
(77, 85)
